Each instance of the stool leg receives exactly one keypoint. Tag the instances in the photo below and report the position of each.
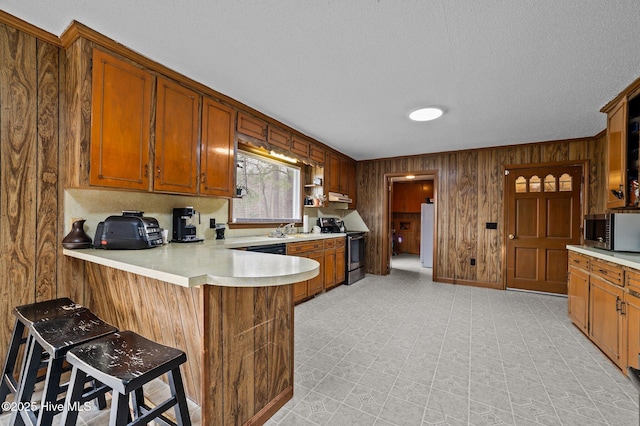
(119, 409)
(137, 401)
(50, 392)
(10, 362)
(74, 394)
(33, 356)
(177, 389)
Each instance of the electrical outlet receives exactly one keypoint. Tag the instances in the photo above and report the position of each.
(473, 262)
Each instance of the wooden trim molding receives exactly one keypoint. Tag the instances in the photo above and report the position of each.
(28, 28)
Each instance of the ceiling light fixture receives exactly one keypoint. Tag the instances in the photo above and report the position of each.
(426, 114)
(410, 177)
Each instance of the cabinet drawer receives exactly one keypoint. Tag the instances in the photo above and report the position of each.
(304, 247)
(632, 281)
(340, 242)
(579, 260)
(613, 274)
(330, 243)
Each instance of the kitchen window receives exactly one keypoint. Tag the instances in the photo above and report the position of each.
(268, 191)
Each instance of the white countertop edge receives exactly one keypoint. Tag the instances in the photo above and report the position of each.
(267, 280)
(632, 260)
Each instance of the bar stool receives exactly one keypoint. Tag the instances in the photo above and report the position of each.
(124, 362)
(26, 315)
(53, 337)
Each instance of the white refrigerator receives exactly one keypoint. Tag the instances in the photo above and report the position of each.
(426, 235)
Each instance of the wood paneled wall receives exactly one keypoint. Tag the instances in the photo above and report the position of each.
(469, 193)
(30, 229)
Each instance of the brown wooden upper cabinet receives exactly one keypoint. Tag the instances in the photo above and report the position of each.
(616, 156)
(316, 154)
(300, 146)
(279, 138)
(120, 123)
(340, 176)
(176, 142)
(217, 158)
(251, 126)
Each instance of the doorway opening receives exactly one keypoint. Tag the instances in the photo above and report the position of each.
(410, 217)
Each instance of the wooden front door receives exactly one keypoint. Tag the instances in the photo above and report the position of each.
(543, 216)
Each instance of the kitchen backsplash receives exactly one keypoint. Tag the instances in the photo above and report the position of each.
(95, 205)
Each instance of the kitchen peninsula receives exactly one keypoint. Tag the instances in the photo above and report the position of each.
(231, 311)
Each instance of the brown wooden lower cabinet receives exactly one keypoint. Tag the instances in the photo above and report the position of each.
(605, 319)
(604, 303)
(578, 291)
(330, 253)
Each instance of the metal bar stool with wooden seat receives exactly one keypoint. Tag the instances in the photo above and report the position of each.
(53, 337)
(26, 316)
(124, 362)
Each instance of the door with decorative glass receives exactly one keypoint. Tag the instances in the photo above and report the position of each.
(543, 215)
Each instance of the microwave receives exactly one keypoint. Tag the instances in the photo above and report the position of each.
(613, 231)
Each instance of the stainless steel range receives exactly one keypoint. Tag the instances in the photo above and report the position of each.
(355, 256)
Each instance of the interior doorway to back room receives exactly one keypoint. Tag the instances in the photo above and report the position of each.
(411, 219)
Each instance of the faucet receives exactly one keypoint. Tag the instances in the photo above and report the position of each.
(284, 230)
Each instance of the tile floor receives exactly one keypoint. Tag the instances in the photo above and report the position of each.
(403, 350)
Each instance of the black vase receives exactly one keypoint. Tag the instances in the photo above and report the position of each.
(77, 238)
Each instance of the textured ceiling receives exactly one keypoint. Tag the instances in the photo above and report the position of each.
(348, 72)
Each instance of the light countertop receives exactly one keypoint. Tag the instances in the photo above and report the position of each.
(211, 262)
(631, 260)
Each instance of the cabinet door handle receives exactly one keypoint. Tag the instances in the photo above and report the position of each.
(158, 172)
(623, 311)
(602, 271)
(202, 178)
(618, 305)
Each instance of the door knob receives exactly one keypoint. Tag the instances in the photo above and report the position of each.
(512, 237)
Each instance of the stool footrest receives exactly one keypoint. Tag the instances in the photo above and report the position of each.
(154, 413)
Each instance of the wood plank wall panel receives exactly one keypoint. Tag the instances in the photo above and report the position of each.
(456, 206)
(212, 363)
(467, 214)
(47, 213)
(18, 164)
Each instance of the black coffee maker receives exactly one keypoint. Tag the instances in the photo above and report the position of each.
(184, 231)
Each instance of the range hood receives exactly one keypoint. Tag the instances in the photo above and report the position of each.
(336, 197)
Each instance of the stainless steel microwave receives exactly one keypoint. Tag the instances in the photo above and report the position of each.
(613, 231)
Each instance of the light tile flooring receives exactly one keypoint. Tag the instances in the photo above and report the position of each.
(403, 350)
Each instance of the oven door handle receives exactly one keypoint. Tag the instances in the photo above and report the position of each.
(359, 237)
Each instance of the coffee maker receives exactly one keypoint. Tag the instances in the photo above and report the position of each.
(184, 231)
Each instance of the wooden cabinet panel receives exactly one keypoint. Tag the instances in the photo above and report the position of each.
(316, 154)
(316, 285)
(631, 328)
(304, 247)
(176, 143)
(299, 291)
(332, 173)
(217, 155)
(251, 126)
(121, 123)
(279, 138)
(616, 156)
(578, 297)
(329, 267)
(605, 321)
(340, 263)
(300, 146)
(579, 261)
(352, 184)
(413, 197)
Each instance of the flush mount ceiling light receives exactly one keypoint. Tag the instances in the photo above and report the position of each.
(426, 114)
(410, 177)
